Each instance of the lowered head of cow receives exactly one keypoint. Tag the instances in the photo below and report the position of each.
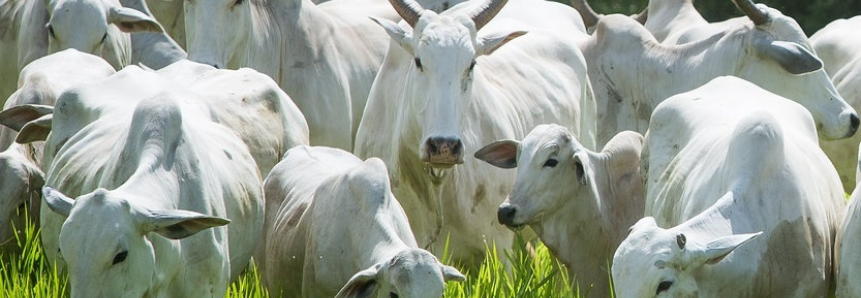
(106, 240)
(92, 26)
(444, 71)
(556, 174)
(410, 273)
(657, 262)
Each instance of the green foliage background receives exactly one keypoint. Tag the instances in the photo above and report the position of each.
(811, 15)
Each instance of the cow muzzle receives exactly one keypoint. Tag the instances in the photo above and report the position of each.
(443, 152)
(505, 214)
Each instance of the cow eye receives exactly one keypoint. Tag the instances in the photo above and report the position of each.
(393, 295)
(419, 63)
(104, 37)
(120, 257)
(663, 287)
(551, 163)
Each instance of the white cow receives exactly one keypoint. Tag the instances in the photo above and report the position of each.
(146, 168)
(726, 162)
(454, 81)
(246, 102)
(837, 45)
(631, 72)
(678, 22)
(333, 224)
(32, 29)
(324, 56)
(41, 82)
(580, 202)
(847, 262)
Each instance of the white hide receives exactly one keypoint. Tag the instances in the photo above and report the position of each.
(154, 49)
(324, 56)
(334, 223)
(632, 73)
(725, 162)
(149, 176)
(472, 88)
(837, 45)
(32, 29)
(244, 101)
(846, 259)
(41, 82)
(579, 202)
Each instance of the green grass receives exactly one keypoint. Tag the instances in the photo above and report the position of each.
(30, 275)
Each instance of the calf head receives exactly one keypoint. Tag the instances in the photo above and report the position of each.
(444, 50)
(554, 171)
(411, 273)
(657, 262)
(105, 240)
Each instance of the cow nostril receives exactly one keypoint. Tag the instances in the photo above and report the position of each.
(505, 215)
(432, 147)
(457, 148)
(853, 122)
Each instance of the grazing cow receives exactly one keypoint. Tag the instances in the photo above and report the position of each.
(837, 45)
(257, 112)
(847, 262)
(154, 178)
(726, 162)
(325, 56)
(41, 82)
(454, 81)
(580, 202)
(771, 51)
(91, 26)
(333, 224)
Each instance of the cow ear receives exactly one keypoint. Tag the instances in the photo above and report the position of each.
(36, 130)
(791, 56)
(502, 153)
(718, 249)
(450, 273)
(18, 116)
(491, 42)
(580, 159)
(130, 20)
(362, 284)
(398, 34)
(178, 224)
(57, 201)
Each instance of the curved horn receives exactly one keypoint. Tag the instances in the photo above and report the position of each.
(486, 12)
(643, 16)
(748, 8)
(409, 10)
(590, 17)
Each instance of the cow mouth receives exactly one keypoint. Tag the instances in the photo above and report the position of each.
(437, 173)
(515, 227)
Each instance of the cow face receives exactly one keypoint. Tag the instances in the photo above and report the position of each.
(656, 262)
(410, 273)
(551, 167)
(104, 241)
(445, 51)
(216, 29)
(781, 60)
(96, 27)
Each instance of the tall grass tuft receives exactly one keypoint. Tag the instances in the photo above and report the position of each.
(29, 274)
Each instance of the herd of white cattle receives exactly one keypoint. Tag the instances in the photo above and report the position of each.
(343, 146)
